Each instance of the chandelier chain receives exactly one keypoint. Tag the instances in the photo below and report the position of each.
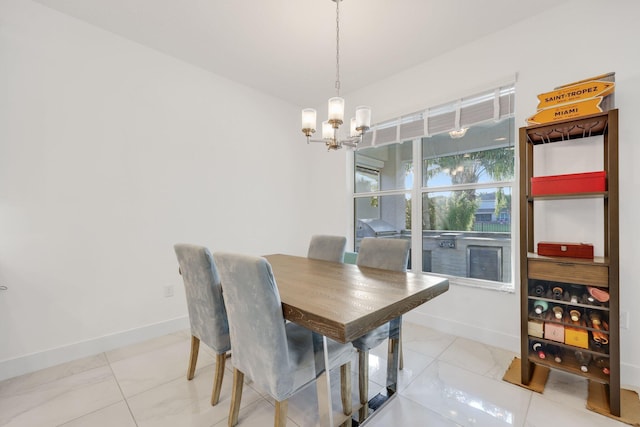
(338, 47)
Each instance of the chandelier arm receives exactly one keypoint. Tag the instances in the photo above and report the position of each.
(352, 142)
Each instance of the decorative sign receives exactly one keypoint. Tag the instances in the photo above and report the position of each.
(568, 111)
(574, 93)
(576, 99)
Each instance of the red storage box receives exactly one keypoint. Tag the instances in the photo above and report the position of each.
(571, 250)
(587, 182)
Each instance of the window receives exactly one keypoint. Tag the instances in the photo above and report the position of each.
(382, 200)
(443, 178)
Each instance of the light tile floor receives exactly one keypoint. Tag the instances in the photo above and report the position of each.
(447, 381)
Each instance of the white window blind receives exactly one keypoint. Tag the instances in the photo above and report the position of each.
(494, 104)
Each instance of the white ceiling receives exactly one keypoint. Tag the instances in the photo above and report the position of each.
(287, 47)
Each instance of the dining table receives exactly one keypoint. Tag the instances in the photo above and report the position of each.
(342, 302)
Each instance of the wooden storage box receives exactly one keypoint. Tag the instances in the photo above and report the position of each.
(554, 332)
(562, 249)
(567, 272)
(587, 182)
(576, 337)
(536, 328)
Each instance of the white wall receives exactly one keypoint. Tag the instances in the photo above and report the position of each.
(575, 41)
(109, 154)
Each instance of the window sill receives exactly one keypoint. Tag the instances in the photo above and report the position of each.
(479, 284)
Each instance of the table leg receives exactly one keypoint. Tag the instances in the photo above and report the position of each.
(323, 381)
(394, 355)
(391, 387)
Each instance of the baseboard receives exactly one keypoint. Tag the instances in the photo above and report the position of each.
(32, 362)
(465, 330)
(629, 374)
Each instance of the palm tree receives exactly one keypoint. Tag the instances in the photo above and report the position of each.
(457, 212)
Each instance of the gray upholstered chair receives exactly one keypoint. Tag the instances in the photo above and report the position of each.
(328, 248)
(277, 356)
(207, 314)
(386, 254)
(350, 257)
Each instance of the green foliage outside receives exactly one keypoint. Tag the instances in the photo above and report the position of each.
(457, 212)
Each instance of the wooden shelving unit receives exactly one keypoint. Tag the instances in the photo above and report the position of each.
(601, 272)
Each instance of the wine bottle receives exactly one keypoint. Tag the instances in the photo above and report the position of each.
(575, 293)
(540, 306)
(598, 294)
(554, 352)
(558, 312)
(558, 292)
(539, 349)
(538, 289)
(602, 363)
(599, 325)
(583, 359)
(598, 346)
(575, 315)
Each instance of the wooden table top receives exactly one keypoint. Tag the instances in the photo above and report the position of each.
(344, 301)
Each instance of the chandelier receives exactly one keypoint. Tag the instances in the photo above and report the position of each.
(458, 133)
(359, 124)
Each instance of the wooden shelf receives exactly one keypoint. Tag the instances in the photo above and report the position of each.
(597, 260)
(568, 304)
(569, 364)
(570, 196)
(602, 272)
(593, 125)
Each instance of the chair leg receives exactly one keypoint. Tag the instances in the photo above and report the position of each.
(236, 397)
(193, 357)
(217, 378)
(281, 413)
(345, 388)
(363, 376)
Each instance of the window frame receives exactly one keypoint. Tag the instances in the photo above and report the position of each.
(417, 191)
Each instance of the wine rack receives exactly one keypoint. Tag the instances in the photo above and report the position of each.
(579, 275)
